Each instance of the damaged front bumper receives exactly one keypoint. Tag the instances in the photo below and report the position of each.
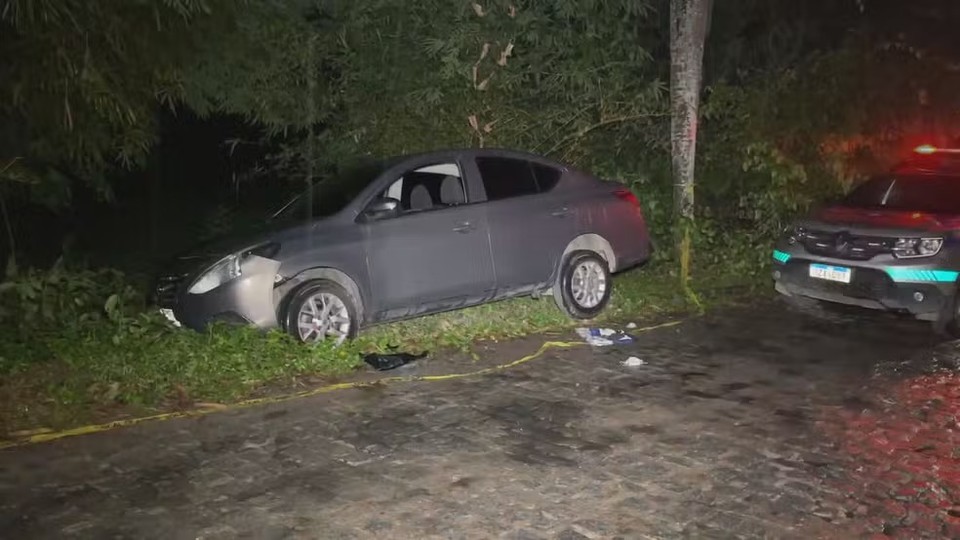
(923, 291)
(246, 300)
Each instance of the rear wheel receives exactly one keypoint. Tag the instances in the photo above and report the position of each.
(322, 310)
(583, 287)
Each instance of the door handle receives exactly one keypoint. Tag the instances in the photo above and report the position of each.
(464, 227)
(561, 213)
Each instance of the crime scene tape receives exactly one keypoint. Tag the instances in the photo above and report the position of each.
(37, 436)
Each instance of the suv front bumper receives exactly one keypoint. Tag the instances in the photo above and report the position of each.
(920, 290)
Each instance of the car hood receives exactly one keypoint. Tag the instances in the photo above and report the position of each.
(210, 251)
(868, 220)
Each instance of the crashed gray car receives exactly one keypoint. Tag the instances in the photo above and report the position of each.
(416, 235)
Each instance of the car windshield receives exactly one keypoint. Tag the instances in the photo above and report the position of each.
(912, 193)
(330, 195)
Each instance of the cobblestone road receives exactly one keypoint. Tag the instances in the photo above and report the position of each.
(737, 426)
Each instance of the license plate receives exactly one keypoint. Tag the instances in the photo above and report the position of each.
(830, 273)
(168, 313)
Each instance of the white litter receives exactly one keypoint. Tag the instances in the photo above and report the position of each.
(633, 361)
(603, 337)
(632, 325)
(592, 337)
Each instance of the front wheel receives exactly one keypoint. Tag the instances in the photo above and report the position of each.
(583, 287)
(322, 310)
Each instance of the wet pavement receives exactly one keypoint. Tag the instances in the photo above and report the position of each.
(753, 422)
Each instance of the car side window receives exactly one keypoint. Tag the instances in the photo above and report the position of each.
(431, 187)
(504, 178)
(507, 177)
(547, 177)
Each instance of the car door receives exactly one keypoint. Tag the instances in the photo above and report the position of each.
(434, 252)
(530, 223)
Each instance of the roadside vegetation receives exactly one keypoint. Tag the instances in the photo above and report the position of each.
(129, 130)
(78, 346)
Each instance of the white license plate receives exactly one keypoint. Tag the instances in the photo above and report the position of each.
(168, 313)
(830, 273)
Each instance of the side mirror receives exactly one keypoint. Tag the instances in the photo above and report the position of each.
(381, 208)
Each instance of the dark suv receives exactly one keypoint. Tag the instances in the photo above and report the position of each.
(893, 243)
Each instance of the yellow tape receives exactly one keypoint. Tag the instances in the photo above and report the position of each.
(43, 435)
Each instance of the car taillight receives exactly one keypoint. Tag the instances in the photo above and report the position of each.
(629, 196)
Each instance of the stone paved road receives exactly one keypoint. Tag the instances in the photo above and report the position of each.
(717, 436)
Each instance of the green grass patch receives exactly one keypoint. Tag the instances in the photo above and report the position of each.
(642, 292)
(135, 363)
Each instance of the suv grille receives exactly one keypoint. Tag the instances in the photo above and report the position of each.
(167, 288)
(866, 283)
(844, 245)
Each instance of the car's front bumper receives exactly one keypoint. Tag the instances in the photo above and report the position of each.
(922, 289)
(248, 299)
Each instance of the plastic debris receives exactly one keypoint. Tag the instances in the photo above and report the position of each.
(603, 337)
(385, 362)
(631, 326)
(633, 361)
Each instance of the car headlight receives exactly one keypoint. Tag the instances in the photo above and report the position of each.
(228, 268)
(907, 248)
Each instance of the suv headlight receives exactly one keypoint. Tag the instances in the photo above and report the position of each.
(228, 268)
(907, 248)
(794, 234)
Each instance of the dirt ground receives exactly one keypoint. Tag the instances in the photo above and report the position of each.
(752, 422)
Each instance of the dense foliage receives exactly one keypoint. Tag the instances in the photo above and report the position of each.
(801, 98)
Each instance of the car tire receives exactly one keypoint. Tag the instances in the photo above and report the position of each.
(583, 285)
(325, 306)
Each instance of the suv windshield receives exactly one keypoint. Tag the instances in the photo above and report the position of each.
(912, 193)
(330, 195)
(945, 163)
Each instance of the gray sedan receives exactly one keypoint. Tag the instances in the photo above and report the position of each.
(416, 235)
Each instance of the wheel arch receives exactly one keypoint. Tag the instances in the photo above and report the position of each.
(591, 242)
(289, 287)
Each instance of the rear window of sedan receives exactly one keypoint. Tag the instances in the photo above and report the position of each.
(912, 193)
(504, 178)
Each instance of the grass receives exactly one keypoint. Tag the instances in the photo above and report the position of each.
(98, 372)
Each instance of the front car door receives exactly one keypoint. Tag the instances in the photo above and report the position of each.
(433, 252)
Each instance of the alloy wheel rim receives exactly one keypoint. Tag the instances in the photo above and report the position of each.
(322, 316)
(588, 285)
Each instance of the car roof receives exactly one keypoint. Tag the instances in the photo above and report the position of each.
(478, 152)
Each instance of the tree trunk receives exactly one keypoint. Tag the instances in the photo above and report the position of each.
(689, 23)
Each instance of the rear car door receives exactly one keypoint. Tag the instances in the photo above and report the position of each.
(434, 252)
(530, 222)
